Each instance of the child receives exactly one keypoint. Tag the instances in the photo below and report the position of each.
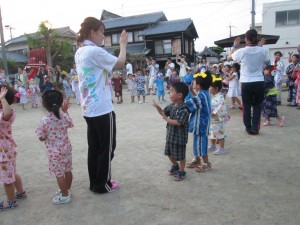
(290, 71)
(117, 86)
(53, 131)
(47, 84)
(174, 78)
(23, 95)
(270, 102)
(140, 83)
(234, 90)
(159, 81)
(225, 84)
(200, 107)
(67, 88)
(8, 152)
(176, 115)
(34, 90)
(131, 86)
(218, 117)
(75, 84)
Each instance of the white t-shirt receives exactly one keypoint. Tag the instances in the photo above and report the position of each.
(171, 67)
(129, 68)
(252, 61)
(182, 71)
(93, 64)
(234, 83)
(153, 70)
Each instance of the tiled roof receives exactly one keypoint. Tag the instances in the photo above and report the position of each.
(134, 20)
(168, 27)
(130, 48)
(207, 51)
(62, 31)
(15, 57)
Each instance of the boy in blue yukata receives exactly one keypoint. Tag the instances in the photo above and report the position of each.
(200, 107)
(177, 116)
(159, 81)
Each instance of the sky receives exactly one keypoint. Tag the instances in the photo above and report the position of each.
(212, 18)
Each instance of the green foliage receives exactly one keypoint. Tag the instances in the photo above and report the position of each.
(12, 66)
(217, 49)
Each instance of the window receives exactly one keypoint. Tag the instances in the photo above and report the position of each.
(163, 47)
(287, 18)
(137, 36)
(130, 37)
(115, 38)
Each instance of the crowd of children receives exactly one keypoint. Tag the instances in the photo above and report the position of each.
(197, 105)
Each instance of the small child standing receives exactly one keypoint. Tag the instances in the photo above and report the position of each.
(176, 115)
(34, 90)
(23, 95)
(159, 81)
(131, 86)
(200, 107)
(53, 131)
(8, 152)
(67, 87)
(218, 117)
(117, 86)
(140, 83)
(47, 85)
(270, 101)
(234, 89)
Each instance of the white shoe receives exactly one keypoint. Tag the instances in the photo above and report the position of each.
(140, 102)
(211, 148)
(219, 151)
(59, 199)
(59, 193)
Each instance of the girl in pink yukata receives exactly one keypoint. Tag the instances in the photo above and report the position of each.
(53, 131)
(8, 152)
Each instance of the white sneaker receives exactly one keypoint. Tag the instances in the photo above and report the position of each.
(59, 199)
(219, 151)
(140, 102)
(211, 148)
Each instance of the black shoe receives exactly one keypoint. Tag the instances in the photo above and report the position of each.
(252, 131)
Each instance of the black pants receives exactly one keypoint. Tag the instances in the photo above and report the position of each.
(101, 135)
(252, 96)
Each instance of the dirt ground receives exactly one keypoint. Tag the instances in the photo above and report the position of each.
(256, 182)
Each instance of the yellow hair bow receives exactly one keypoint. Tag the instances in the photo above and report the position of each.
(202, 74)
(216, 79)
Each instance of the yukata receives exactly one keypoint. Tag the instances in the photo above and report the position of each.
(218, 117)
(140, 83)
(200, 107)
(34, 90)
(177, 136)
(23, 95)
(117, 84)
(291, 85)
(132, 86)
(159, 81)
(67, 89)
(58, 146)
(8, 150)
(270, 102)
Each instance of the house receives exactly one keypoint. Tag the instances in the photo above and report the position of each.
(20, 49)
(208, 54)
(150, 34)
(282, 19)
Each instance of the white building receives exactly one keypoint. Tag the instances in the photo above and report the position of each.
(282, 19)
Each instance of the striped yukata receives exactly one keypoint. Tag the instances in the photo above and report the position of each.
(200, 107)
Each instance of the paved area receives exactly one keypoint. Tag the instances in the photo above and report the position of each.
(256, 182)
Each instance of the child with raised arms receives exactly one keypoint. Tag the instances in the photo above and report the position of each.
(53, 131)
(176, 115)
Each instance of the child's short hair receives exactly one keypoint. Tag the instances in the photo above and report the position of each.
(10, 95)
(217, 84)
(204, 82)
(268, 67)
(63, 76)
(181, 88)
(52, 100)
(138, 70)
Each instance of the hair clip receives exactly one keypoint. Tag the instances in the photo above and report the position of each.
(216, 79)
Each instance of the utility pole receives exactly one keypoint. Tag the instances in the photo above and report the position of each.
(230, 27)
(4, 59)
(253, 15)
(10, 28)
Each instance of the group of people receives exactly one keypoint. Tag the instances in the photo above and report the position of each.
(204, 113)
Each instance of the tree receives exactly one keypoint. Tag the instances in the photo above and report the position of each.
(217, 49)
(57, 48)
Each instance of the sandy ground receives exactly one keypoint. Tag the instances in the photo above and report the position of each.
(256, 182)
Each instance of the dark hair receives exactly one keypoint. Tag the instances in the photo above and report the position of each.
(296, 55)
(251, 35)
(204, 82)
(63, 76)
(217, 84)
(10, 95)
(237, 67)
(169, 58)
(268, 67)
(278, 52)
(181, 88)
(89, 24)
(52, 101)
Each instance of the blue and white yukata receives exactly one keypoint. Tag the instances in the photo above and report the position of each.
(200, 107)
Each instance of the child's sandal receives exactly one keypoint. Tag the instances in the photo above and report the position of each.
(21, 195)
(11, 205)
(203, 168)
(179, 176)
(193, 164)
